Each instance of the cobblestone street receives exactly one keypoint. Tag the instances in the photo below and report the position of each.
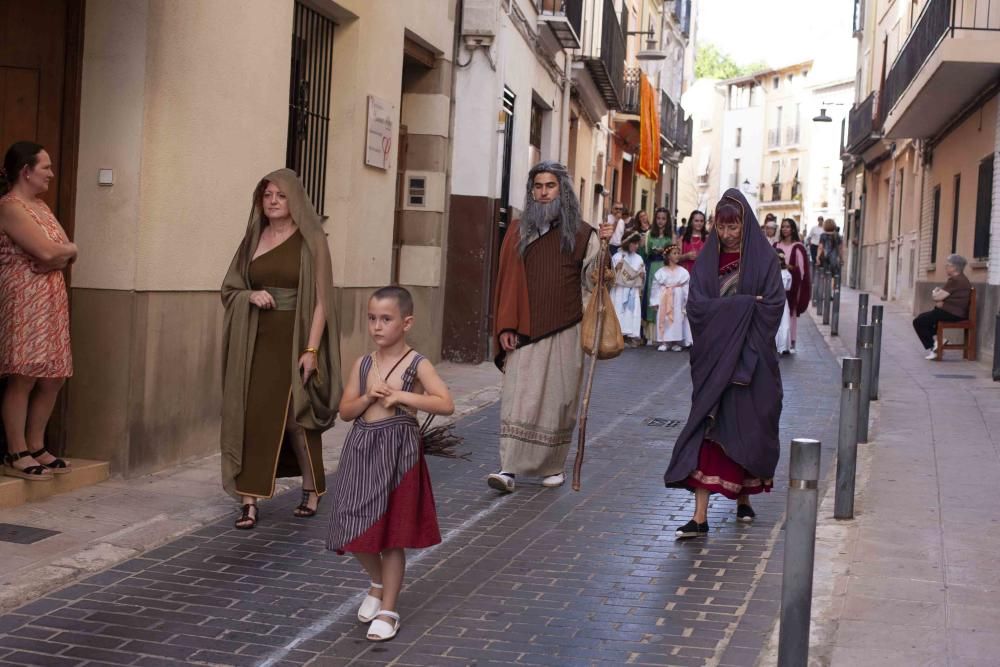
(539, 577)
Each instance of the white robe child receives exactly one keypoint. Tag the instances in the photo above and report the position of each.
(626, 295)
(671, 326)
(783, 339)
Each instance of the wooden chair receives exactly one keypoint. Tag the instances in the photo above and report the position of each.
(968, 345)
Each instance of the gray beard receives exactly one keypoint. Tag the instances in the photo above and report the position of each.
(538, 218)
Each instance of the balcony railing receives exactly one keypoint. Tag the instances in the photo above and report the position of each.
(780, 191)
(863, 125)
(938, 18)
(606, 63)
(668, 117)
(702, 179)
(796, 188)
(564, 18)
(774, 138)
(630, 102)
(792, 135)
(859, 17)
(682, 11)
(775, 192)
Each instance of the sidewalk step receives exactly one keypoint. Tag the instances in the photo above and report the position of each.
(15, 491)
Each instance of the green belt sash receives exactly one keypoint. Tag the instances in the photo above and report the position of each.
(284, 297)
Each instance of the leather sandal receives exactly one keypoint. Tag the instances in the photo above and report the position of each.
(35, 473)
(57, 465)
(371, 606)
(247, 522)
(303, 511)
(381, 631)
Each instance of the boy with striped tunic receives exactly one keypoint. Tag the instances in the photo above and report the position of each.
(382, 498)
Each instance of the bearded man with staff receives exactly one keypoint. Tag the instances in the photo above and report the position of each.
(546, 263)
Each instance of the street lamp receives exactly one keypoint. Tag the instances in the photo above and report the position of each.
(822, 117)
(651, 52)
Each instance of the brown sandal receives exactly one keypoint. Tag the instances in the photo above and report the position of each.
(35, 473)
(247, 522)
(303, 511)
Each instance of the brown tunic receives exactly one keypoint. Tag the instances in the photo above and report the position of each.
(538, 295)
(267, 447)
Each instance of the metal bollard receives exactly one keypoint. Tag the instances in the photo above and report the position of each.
(800, 551)
(827, 294)
(835, 307)
(815, 285)
(996, 350)
(865, 353)
(878, 313)
(847, 443)
(862, 314)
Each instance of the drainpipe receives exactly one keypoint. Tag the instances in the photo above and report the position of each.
(564, 129)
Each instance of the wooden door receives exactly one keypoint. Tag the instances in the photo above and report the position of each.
(40, 56)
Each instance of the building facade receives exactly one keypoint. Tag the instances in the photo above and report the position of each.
(162, 117)
(698, 180)
(920, 168)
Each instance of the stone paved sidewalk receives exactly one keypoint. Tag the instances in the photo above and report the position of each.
(104, 524)
(544, 577)
(913, 579)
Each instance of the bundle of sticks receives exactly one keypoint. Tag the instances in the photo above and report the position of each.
(441, 440)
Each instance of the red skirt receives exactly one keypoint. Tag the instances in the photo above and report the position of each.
(382, 496)
(718, 473)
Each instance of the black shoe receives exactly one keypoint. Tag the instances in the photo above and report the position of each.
(692, 529)
(745, 513)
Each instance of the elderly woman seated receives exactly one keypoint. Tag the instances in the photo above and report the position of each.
(951, 304)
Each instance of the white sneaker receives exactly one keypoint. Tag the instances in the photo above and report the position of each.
(662, 348)
(934, 349)
(501, 481)
(554, 480)
(931, 356)
(676, 348)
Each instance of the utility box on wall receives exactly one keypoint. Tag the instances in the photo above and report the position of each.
(479, 22)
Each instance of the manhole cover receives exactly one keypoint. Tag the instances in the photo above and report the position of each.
(663, 422)
(11, 532)
(954, 376)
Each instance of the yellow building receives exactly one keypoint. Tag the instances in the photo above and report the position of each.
(162, 115)
(920, 172)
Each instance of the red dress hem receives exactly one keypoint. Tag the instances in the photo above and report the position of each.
(717, 473)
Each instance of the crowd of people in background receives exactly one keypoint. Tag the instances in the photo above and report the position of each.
(652, 264)
(652, 261)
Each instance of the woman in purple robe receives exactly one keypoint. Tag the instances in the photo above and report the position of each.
(730, 442)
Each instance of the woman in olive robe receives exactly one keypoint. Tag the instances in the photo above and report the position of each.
(281, 350)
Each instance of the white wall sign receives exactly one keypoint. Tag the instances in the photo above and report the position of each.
(378, 147)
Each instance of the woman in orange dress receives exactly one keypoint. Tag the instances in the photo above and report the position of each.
(35, 355)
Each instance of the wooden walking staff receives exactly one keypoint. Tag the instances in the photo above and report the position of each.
(581, 440)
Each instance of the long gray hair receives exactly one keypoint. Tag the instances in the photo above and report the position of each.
(569, 206)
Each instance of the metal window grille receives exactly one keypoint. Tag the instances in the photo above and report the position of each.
(309, 100)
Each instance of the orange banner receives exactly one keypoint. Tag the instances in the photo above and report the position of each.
(649, 131)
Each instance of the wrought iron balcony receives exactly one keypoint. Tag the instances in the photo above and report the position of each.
(605, 62)
(792, 135)
(668, 118)
(951, 55)
(774, 138)
(859, 17)
(630, 103)
(564, 18)
(863, 126)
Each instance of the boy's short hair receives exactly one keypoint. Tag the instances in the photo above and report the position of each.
(402, 296)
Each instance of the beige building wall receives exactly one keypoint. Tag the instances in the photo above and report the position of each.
(188, 103)
(183, 136)
(960, 154)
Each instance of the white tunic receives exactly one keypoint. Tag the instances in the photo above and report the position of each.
(783, 339)
(678, 280)
(626, 295)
